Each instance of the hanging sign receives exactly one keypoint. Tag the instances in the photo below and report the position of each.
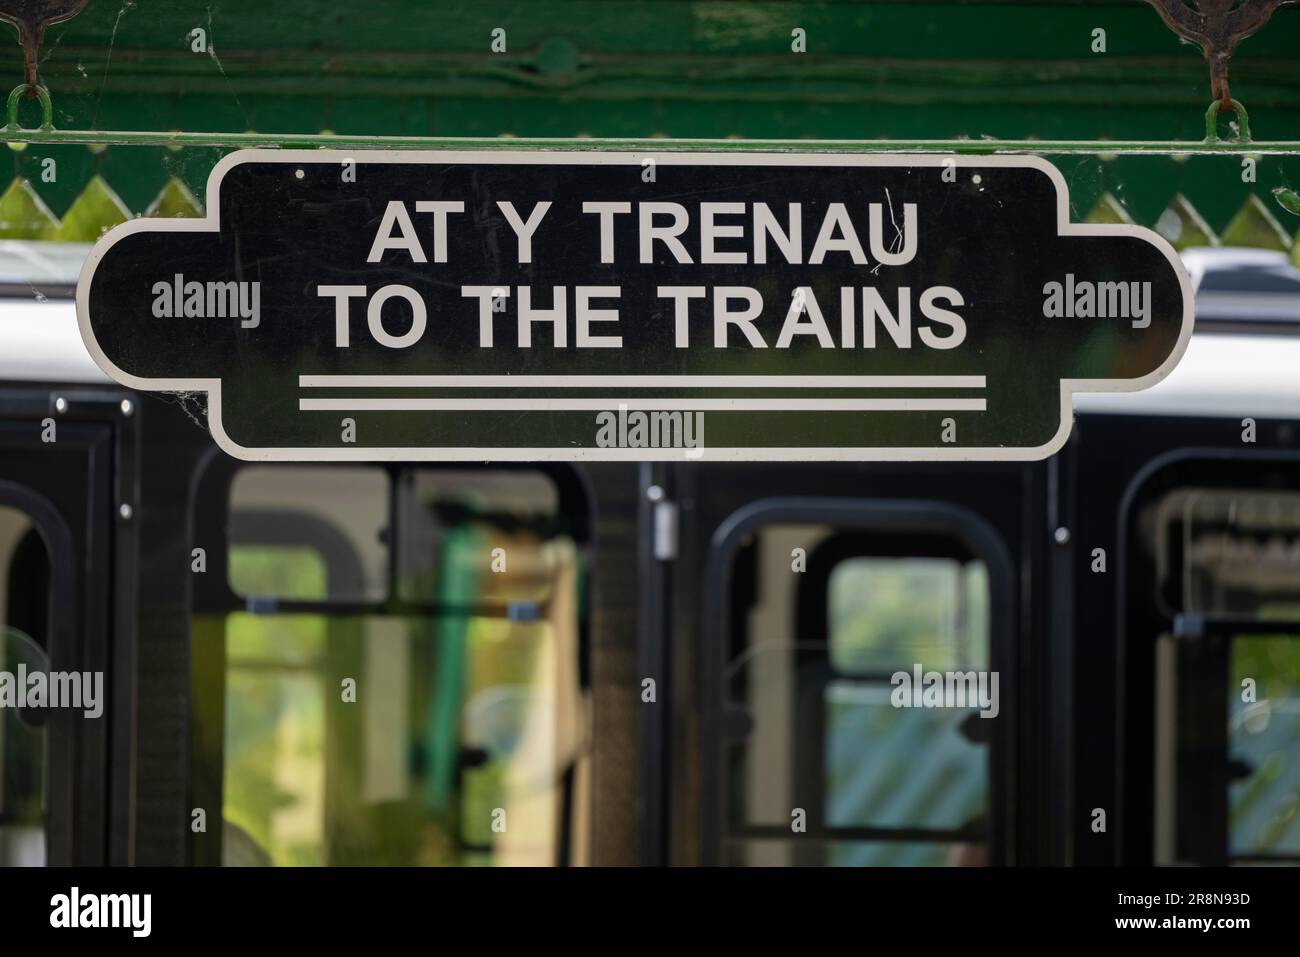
(597, 305)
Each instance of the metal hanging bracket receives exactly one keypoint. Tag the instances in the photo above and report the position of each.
(1216, 26)
(11, 109)
(1212, 121)
(31, 17)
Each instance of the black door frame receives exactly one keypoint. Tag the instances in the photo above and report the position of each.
(82, 490)
(878, 514)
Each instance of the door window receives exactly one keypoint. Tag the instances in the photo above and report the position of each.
(823, 765)
(1227, 756)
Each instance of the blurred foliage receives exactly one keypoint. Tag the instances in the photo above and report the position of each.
(22, 746)
(295, 764)
(283, 571)
(888, 614)
(1265, 734)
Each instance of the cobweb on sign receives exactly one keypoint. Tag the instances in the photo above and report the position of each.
(193, 404)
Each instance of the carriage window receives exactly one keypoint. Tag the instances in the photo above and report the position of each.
(1264, 738)
(1230, 552)
(436, 505)
(812, 666)
(1229, 561)
(889, 615)
(329, 544)
(442, 723)
(24, 604)
(887, 610)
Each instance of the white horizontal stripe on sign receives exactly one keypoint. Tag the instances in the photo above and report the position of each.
(643, 381)
(641, 405)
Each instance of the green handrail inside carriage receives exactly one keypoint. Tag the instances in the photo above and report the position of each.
(458, 586)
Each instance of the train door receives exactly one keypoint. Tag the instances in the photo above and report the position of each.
(66, 580)
(1212, 659)
(811, 593)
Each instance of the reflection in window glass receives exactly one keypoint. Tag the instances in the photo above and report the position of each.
(24, 607)
(884, 784)
(1264, 736)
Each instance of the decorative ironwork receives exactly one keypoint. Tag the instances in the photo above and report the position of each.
(31, 17)
(1216, 26)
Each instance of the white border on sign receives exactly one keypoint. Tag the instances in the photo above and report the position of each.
(666, 157)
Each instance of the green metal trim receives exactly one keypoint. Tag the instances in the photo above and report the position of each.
(969, 147)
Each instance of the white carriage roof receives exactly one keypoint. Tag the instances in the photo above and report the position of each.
(1220, 375)
(1234, 375)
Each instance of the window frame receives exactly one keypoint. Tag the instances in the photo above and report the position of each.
(1202, 664)
(813, 618)
(60, 732)
(859, 520)
(88, 485)
(213, 596)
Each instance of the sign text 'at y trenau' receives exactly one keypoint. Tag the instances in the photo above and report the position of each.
(600, 305)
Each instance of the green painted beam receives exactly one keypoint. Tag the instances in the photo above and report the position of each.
(1006, 68)
(936, 76)
(1166, 81)
(948, 30)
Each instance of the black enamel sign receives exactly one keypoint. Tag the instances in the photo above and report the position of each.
(600, 305)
